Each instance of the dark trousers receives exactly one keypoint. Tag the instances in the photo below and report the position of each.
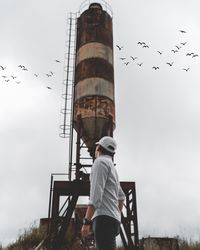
(105, 230)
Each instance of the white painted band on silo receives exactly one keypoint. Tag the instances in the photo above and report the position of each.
(94, 50)
(94, 86)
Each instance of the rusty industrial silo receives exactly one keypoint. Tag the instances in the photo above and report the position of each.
(89, 108)
(94, 105)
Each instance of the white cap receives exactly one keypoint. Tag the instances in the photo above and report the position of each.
(108, 143)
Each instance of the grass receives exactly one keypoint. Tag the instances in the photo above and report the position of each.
(32, 236)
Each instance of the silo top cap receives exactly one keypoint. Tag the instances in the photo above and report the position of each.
(95, 6)
(108, 143)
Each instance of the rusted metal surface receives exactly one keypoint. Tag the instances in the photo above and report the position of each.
(94, 49)
(94, 67)
(94, 25)
(155, 243)
(94, 76)
(60, 221)
(95, 106)
(94, 86)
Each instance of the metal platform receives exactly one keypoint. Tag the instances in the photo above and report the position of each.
(61, 214)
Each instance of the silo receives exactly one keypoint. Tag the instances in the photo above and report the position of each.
(94, 105)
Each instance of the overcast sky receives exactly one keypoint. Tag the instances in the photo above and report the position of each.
(158, 111)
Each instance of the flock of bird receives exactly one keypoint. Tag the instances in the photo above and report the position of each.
(128, 60)
(6, 77)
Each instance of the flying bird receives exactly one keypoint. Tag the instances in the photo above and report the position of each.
(36, 75)
(122, 58)
(145, 46)
(189, 54)
(154, 67)
(174, 50)
(170, 64)
(195, 55)
(57, 61)
(48, 75)
(182, 31)
(141, 43)
(134, 58)
(178, 47)
(4, 76)
(51, 73)
(48, 87)
(13, 77)
(140, 64)
(24, 68)
(7, 80)
(184, 43)
(126, 63)
(186, 69)
(160, 52)
(3, 68)
(119, 47)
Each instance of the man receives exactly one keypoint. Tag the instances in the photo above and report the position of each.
(106, 198)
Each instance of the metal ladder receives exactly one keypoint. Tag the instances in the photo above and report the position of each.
(67, 106)
(68, 95)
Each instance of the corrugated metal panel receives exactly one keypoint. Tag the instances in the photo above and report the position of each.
(94, 50)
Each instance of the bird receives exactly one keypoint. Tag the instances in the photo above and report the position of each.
(13, 77)
(178, 47)
(154, 67)
(126, 63)
(51, 73)
(145, 46)
(119, 47)
(7, 80)
(189, 54)
(48, 75)
(160, 52)
(141, 43)
(21, 66)
(24, 68)
(184, 43)
(174, 50)
(140, 64)
(134, 58)
(170, 64)
(48, 87)
(182, 31)
(122, 58)
(3, 68)
(57, 61)
(186, 69)
(36, 75)
(195, 55)
(4, 76)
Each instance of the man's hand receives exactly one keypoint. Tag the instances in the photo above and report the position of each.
(86, 231)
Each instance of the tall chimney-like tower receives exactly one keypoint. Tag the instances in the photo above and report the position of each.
(94, 76)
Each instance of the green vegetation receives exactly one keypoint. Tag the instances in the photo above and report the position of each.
(33, 236)
(188, 245)
(28, 239)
